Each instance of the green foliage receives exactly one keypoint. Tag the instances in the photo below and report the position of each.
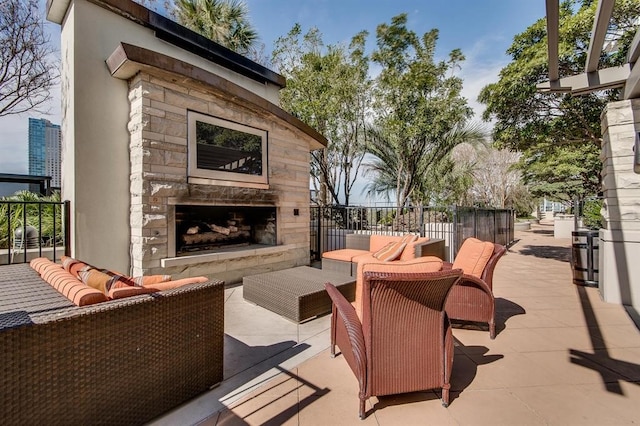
(224, 21)
(562, 172)
(329, 89)
(559, 134)
(40, 216)
(387, 217)
(591, 216)
(419, 111)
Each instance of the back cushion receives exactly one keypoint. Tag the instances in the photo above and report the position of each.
(409, 251)
(423, 264)
(376, 242)
(473, 256)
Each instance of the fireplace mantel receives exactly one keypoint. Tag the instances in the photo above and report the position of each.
(223, 257)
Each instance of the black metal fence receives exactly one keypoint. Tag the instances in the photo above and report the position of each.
(30, 229)
(330, 225)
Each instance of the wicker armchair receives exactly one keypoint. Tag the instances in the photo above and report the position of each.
(471, 299)
(404, 341)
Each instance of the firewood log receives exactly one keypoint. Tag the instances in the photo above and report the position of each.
(220, 229)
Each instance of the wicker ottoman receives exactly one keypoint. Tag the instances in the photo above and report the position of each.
(297, 294)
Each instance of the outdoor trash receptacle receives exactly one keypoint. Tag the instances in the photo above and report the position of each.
(584, 257)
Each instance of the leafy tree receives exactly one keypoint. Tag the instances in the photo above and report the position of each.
(559, 134)
(329, 89)
(27, 67)
(224, 21)
(562, 172)
(419, 109)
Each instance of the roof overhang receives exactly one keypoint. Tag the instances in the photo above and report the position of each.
(127, 60)
(174, 33)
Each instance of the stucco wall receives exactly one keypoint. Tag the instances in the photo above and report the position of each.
(96, 158)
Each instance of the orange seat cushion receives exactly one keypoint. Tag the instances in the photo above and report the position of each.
(473, 256)
(346, 255)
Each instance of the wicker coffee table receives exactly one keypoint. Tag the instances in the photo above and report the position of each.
(297, 294)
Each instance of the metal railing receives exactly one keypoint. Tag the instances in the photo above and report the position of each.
(330, 225)
(30, 229)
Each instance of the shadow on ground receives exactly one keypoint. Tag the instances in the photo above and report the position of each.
(562, 254)
(239, 357)
(542, 231)
(505, 309)
(292, 384)
(465, 368)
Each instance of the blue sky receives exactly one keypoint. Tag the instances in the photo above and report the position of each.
(483, 30)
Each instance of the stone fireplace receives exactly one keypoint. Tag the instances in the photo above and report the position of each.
(149, 194)
(226, 224)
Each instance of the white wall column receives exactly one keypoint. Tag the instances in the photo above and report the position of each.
(619, 251)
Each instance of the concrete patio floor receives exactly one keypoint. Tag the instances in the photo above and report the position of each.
(562, 356)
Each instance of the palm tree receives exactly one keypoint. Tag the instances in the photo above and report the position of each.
(224, 21)
(407, 170)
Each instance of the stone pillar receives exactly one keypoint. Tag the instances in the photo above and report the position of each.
(158, 155)
(619, 251)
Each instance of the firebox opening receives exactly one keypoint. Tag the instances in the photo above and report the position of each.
(205, 229)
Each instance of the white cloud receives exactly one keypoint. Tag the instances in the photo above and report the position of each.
(477, 72)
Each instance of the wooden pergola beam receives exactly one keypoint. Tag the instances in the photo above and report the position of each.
(598, 34)
(553, 23)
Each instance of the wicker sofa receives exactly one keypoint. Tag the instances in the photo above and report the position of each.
(361, 246)
(123, 361)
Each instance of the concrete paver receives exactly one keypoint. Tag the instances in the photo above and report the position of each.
(562, 356)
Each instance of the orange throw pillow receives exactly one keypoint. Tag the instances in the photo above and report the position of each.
(96, 279)
(74, 266)
(392, 251)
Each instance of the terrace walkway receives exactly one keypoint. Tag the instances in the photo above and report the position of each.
(561, 356)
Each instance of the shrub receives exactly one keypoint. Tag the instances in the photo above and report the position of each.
(591, 217)
(40, 217)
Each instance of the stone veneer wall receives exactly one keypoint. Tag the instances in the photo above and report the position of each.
(619, 250)
(158, 144)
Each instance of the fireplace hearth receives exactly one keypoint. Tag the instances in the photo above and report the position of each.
(207, 229)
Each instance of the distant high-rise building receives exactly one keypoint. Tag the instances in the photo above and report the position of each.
(44, 150)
